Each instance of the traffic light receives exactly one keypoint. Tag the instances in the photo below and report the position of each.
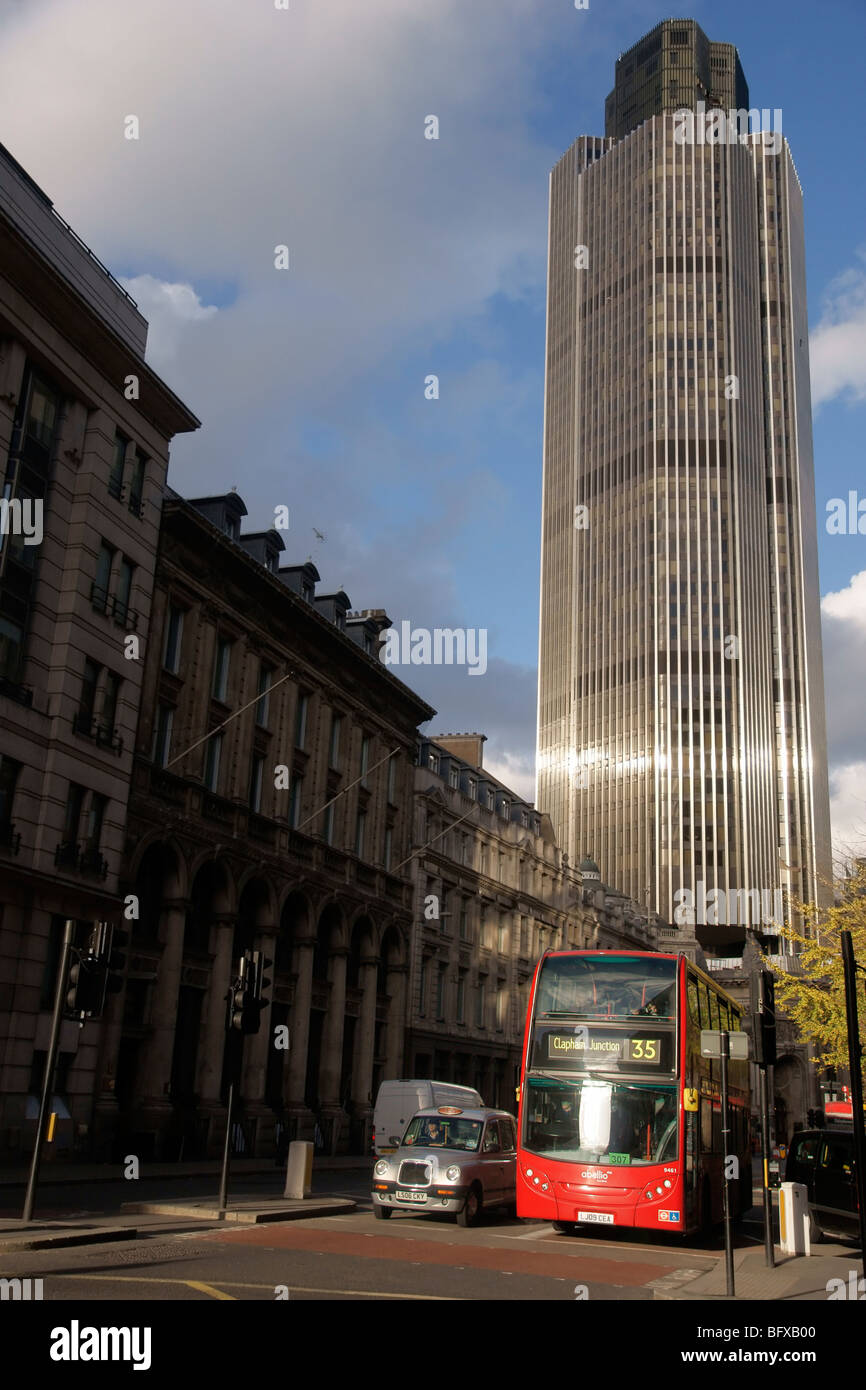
(85, 996)
(115, 960)
(815, 1119)
(764, 1015)
(260, 963)
(244, 999)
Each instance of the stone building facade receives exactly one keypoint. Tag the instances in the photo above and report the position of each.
(271, 809)
(493, 891)
(85, 428)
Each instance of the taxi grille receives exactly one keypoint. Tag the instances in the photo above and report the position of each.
(414, 1175)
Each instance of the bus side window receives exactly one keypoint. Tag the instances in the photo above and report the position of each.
(714, 1011)
(706, 1125)
(723, 1015)
(703, 996)
(693, 1000)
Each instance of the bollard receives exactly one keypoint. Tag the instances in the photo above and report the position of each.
(794, 1220)
(299, 1170)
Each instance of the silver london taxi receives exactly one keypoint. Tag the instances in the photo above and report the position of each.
(450, 1160)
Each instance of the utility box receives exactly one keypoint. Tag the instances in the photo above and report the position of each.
(794, 1219)
(299, 1170)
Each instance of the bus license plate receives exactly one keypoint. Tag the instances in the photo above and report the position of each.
(601, 1218)
(410, 1196)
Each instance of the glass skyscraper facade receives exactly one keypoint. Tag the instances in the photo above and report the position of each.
(681, 736)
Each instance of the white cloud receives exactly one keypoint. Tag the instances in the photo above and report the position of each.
(837, 346)
(844, 643)
(517, 771)
(848, 605)
(848, 808)
(169, 310)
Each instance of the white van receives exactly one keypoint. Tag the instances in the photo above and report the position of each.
(398, 1101)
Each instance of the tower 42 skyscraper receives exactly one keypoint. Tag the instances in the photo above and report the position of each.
(681, 735)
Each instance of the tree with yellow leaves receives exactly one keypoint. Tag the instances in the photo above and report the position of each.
(814, 1000)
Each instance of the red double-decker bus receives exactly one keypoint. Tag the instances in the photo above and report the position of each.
(620, 1119)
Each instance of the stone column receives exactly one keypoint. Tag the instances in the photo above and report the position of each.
(210, 1065)
(299, 1036)
(332, 1048)
(154, 1073)
(396, 980)
(365, 1036)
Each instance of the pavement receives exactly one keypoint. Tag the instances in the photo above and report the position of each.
(792, 1277)
(165, 1215)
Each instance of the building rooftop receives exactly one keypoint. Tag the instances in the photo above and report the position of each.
(31, 212)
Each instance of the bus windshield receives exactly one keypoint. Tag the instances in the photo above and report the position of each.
(601, 986)
(601, 1122)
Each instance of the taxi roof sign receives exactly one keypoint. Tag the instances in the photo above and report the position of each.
(449, 1110)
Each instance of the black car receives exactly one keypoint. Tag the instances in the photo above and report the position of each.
(823, 1161)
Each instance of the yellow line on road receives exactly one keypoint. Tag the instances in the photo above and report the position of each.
(234, 1284)
(149, 1279)
(208, 1289)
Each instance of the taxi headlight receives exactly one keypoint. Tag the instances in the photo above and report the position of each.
(452, 1173)
(381, 1168)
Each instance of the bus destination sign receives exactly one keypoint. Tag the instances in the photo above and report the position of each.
(581, 1047)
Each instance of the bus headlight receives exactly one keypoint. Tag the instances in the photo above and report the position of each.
(381, 1168)
(452, 1173)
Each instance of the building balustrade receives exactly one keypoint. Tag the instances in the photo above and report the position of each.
(82, 859)
(21, 694)
(10, 838)
(103, 735)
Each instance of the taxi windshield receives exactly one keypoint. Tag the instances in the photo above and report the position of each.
(444, 1132)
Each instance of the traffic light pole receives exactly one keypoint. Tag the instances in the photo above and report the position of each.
(726, 1149)
(224, 1176)
(849, 967)
(764, 1102)
(50, 1067)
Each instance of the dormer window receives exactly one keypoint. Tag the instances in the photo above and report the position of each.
(433, 762)
(232, 528)
(473, 787)
(307, 592)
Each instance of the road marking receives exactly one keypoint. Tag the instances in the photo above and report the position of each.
(234, 1284)
(587, 1243)
(208, 1289)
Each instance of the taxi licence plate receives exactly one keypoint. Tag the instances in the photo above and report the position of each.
(601, 1218)
(411, 1196)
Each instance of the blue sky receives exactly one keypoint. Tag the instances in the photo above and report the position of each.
(410, 257)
